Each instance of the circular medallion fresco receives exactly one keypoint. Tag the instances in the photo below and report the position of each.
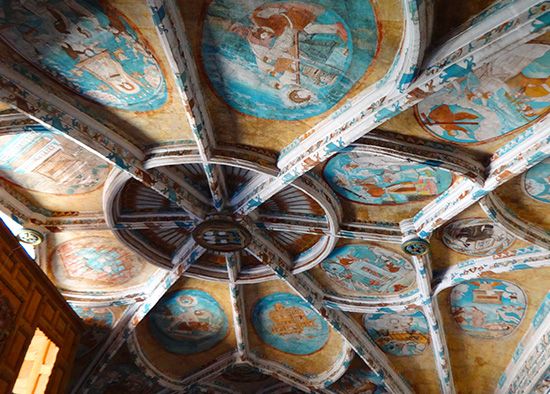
(399, 334)
(377, 180)
(91, 50)
(43, 162)
(488, 308)
(188, 322)
(99, 322)
(369, 269)
(287, 60)
(98, 260)
(30, 236)
(416, 247)
(537, 182)
(289, 324)
(476, 237)
(492, 100)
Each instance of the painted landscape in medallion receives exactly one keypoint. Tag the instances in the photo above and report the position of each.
(99, 321)
(399, 334)
(287, 60)
(289, 324)
(42, 161)
(492, 100)
(536, 182)
(97, 261)
(188, 321)
(476, 237)
(369, 270)
(376, 180)
(93, 50)
(488, 308)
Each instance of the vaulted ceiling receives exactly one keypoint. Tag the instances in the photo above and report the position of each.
(250, 196)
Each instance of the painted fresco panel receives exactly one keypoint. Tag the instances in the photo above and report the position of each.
(42, 161)
(377, 180)
(488, 308)
(288, 323)
(90, 48)
(536, 182)
(369, 269)
(98, 261)
(99, 322)
(399, 334)
(287, 60)
(188, 321)
(493, 100)
(476, 237)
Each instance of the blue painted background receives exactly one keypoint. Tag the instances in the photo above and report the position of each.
(369, 269)
(41, 161)
(400, 334)
(537, 182)
(380, 181)
(250, 85)
(188, 321)
(310, 340)
(493, 100)
(64, 37)
(488, 319)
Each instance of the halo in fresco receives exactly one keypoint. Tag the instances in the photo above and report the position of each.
(492, 100)
(377, 180)
(476, 237)
(537, 182)
(288, 323)
(488, 308)
(359, 381)
(99, 262)
(287, 60)
(41, 161)
(91, 49)
(99, 322)
(188, 321)
(368, 269)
